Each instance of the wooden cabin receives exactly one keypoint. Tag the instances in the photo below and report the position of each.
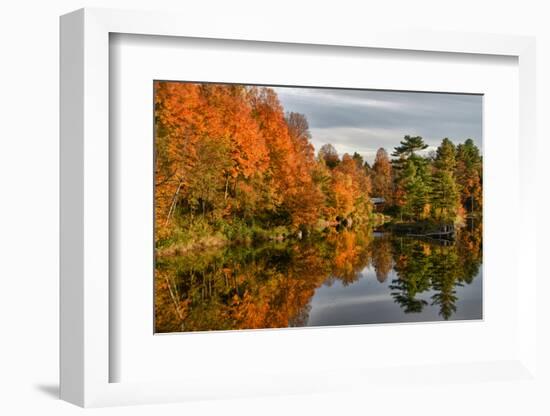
(378, 203)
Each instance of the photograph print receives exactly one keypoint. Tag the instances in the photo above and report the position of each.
(278, 207)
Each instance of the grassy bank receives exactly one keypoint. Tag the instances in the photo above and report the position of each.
(199, 233)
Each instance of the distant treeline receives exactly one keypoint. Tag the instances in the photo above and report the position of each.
(231, 165)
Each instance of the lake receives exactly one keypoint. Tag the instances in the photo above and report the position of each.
(346, 278)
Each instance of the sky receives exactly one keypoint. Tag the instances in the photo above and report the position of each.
(364, 120)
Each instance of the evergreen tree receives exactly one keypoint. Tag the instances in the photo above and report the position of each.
(468, 174)
(445, 156)
(358, 159)
(444, 196)
(412, 186)
(416, 192)
(409, 146)
(444, 193)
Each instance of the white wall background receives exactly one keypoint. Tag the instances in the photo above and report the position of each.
(29, 207)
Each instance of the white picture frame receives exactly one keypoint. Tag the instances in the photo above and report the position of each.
(85, 354)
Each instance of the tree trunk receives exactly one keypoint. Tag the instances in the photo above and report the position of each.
(174, 299)
(173, 204)
(226, 188)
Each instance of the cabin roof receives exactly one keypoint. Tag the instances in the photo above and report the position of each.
(377, 200)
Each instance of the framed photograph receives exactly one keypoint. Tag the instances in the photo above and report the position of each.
(237, 209)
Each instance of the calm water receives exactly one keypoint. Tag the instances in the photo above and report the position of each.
(345, 278)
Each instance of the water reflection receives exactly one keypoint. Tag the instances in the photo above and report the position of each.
(345, 278)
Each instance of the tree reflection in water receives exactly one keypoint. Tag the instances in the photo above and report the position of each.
(272, 286)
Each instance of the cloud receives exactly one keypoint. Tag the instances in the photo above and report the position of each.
(336, 98)
(364, 120)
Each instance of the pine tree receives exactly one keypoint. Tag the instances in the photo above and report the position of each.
(468, 173)
(409, 146)
(445, 158)
(444, 196)
(416, 192)
(412, 187)
(358, 160)
(444, 193)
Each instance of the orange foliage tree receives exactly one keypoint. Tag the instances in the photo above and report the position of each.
(382, 186)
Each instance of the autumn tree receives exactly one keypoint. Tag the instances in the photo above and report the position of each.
(205, 187)
(382, 182)
(329, 155)
(269, 115)
(342, 193)
(322, 176)
(298, 128)
(304, 203)
(352, 188)
(176, 109)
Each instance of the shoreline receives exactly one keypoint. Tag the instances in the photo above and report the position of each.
(425, 230)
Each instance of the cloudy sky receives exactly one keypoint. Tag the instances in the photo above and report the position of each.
(362, 121)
